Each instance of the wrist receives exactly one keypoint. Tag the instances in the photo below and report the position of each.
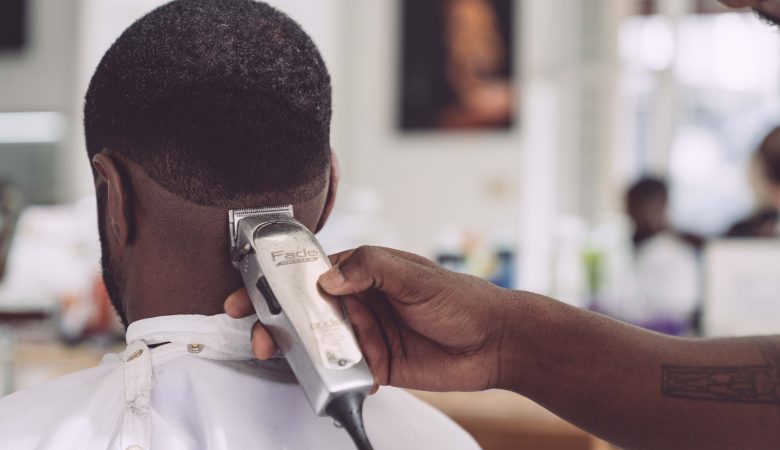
(508, 324)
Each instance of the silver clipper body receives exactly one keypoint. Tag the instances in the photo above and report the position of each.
(280, 261)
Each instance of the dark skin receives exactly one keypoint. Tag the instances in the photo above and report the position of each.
(171, 254)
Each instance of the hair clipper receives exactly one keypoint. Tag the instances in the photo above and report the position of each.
(280, 261)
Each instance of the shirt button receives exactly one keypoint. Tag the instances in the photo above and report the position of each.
(195, 348)
(135, 355)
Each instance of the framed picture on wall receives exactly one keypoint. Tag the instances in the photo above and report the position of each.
(457, 65)
(13, 25)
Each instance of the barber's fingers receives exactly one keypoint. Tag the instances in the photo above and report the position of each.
(340, 256)
(369, 334)
(337, 257)
(262, 345)
(374, 267)
(238, 305)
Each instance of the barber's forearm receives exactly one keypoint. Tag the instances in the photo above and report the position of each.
(608, 378)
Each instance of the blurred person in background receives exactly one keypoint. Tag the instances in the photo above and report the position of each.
(666, 263)
(10, 205)
(766, 173)
(646, 204)
(661, 287)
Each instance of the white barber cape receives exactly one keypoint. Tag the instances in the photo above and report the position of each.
(203, 390)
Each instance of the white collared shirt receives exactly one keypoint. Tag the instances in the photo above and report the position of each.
(203, 390)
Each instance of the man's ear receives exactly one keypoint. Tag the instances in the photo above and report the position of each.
(117, 202)
(333, 184)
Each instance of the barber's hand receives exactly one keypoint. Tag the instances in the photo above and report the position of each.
(238, 305)
(419, 326)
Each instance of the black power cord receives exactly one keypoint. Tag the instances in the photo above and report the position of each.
(347, 410)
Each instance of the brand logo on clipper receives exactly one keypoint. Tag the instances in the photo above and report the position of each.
(301, 256)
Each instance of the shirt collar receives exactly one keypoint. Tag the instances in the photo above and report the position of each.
(222, 333)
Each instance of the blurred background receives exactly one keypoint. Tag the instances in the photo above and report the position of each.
(613, 154)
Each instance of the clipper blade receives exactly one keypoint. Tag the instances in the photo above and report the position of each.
(235, 216)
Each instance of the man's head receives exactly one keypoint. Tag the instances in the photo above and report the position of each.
(199, 107)
(768, 10)
(767, 165)
(646, 204)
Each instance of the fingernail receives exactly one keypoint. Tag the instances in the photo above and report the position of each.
(333, 277)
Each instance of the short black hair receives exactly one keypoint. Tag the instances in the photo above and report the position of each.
(219, 101)
(772, 21)
(644, 191)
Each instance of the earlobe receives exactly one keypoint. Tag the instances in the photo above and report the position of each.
(109, 177)
(333, 184)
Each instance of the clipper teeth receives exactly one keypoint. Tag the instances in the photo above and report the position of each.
(287, 209)
(235, 216)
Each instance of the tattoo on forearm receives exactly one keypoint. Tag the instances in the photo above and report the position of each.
(747, 384)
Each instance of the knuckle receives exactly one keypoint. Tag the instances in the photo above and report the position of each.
(363, 257)
(340, 256)
(367, 266)
(364, 253)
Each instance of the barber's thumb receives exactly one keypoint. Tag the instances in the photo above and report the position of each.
(365, 268)
(333, 281)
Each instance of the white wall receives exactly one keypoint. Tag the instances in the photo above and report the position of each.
(566, 168)
(39, 79)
